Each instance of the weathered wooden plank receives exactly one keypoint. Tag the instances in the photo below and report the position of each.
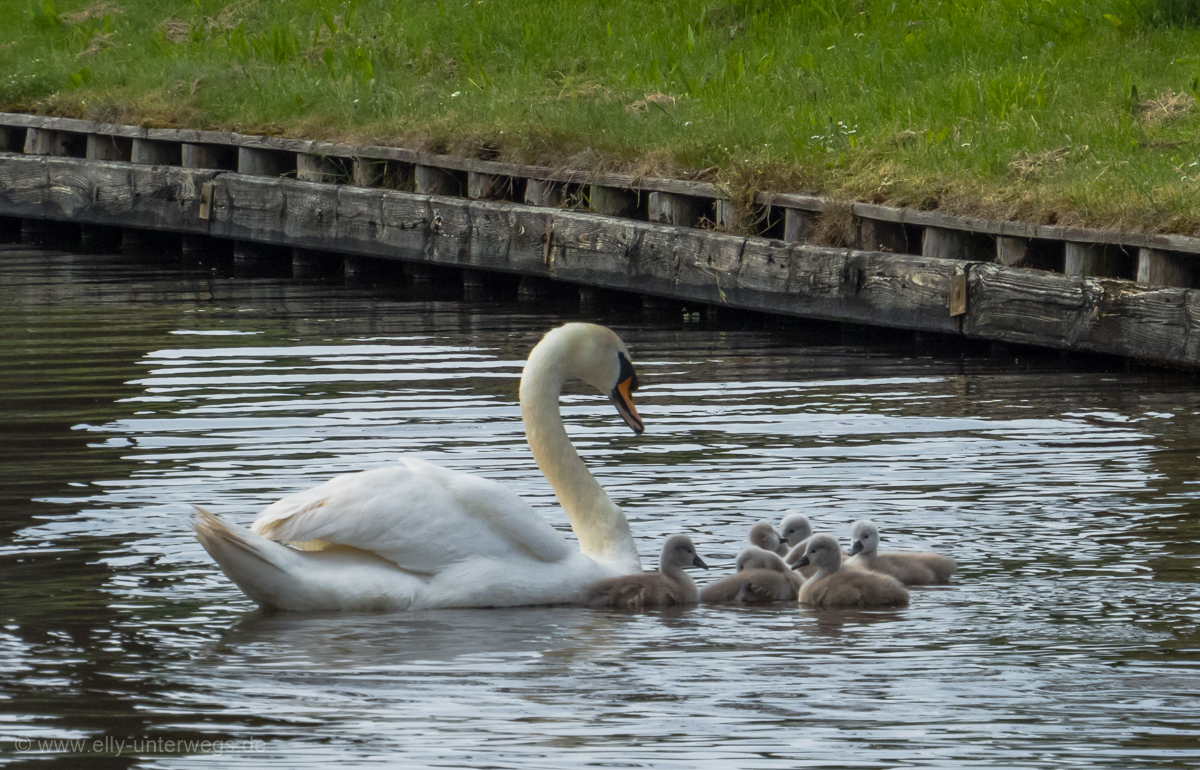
(1013, 252)
(1005, 304)
(208, 156)
(1025, 306)
(593, 249)
(406, 221)
(249, 208)
(449, 240)
(899, 290)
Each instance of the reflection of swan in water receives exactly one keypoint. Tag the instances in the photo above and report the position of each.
(413, 535)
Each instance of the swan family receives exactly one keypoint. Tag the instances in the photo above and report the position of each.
(413, 535)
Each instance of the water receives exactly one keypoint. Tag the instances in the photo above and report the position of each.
(1066, 489)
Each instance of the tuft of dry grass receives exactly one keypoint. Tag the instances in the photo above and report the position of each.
(175, 30)
(1027, 165)
(643, 105)
(836, 226)
(97, 10)
(1169, 107)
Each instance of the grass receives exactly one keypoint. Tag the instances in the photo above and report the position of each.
(1077, 113)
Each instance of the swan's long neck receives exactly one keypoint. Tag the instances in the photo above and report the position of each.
(600, 525)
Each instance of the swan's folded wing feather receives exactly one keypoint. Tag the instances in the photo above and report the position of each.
(417, 515)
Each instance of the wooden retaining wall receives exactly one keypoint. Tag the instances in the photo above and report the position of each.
(997, 281)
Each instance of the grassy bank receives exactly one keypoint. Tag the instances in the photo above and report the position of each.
(1079, 112)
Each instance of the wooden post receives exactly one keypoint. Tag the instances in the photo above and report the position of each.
(612, 201)
(727, 215)
(105, 147)
(1013, 252)
(98, 239)
(222, 156)
(797, 225)
(540, 192)
(150, 152)
(681, 210)
(484, 187)
(40, 232)
(1164, 268)
(941, 243)
(432, 180)
(318, 168)
(878, 235)
(367, 172)
(39, 141)
(201, 247)
(273, 163)
(1091, 259)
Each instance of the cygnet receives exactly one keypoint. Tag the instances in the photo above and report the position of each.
(794, 529)
(761, 577)
(764, 536)
(668, 587)
(833, 586)
(912, 568)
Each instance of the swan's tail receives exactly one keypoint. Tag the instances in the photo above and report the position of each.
(250, 560)
(279, 577)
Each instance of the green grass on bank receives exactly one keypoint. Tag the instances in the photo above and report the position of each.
(1081, 112)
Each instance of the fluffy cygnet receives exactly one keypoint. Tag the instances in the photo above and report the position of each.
(761, 577)
(912, 568)
(764, 536)
(665, 588)
(794, 529)
(833, 586)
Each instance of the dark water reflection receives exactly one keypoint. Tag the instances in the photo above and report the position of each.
(1066, 489)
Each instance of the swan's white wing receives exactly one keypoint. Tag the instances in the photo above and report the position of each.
(419, 516)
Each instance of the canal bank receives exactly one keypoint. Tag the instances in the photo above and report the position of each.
(319, 206)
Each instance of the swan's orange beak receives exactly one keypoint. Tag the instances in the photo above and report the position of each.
(622, 397)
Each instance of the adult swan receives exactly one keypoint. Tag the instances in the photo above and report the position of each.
(414, 535)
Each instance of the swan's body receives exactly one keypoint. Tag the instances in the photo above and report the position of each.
(761, 577)
(669, 587)
(414, 535)
(912, 568)
(833, 586)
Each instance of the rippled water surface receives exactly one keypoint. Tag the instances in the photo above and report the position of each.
(1066, 489)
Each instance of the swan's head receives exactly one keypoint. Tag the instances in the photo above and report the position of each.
(794, 528)
(679, 552)
(597, 356)
(865, 537)
(765, 537)
(823, 552)
(759, 558)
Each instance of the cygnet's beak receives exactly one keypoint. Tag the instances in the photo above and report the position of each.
(622, 396)
(698, 562)
(858, 546)
(802, 563)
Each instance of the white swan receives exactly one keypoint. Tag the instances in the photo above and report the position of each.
(414, 535)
